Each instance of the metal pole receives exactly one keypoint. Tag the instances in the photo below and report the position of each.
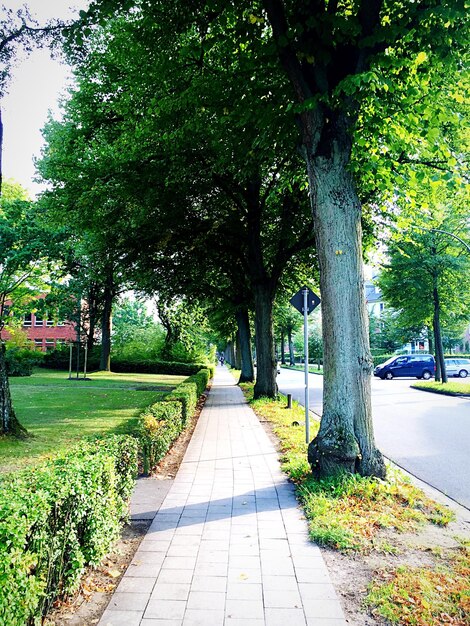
(307, 420)
(78, 360)
(85, 361)
(70, 361)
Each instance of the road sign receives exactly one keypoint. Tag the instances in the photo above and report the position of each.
(305, 301)
(297, 301)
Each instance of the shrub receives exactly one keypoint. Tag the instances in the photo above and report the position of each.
(20, 361)
(159, 425)
(201, 379)
(187, 395)
(378, 359)
(57, 518)
(59, 359)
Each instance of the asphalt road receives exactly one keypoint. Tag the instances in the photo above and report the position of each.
(426, 434)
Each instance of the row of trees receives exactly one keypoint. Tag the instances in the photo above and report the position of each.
(236, 167)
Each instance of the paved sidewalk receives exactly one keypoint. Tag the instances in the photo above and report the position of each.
(228, 546)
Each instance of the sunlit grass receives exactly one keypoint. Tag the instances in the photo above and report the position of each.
(451, 388)
(346, 513)
(57, 412)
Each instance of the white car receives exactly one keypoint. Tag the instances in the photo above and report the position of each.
(457, 367)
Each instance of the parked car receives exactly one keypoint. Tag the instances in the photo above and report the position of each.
(419, 365)
(457, 367)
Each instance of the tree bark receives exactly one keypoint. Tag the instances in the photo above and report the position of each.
(283, 340)
(291, 347)
(238, 358)
(441, 373)
(247, 369)
(9, 422)
(106, 324)
(265, 355)
(345, 442)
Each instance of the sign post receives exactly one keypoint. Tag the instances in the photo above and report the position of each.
(305, 301)
(307, 420)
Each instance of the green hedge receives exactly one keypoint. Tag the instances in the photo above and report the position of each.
(59, 359)
(201, 379)
(20, 361)
(382, 358)
(187, 395)
(161, 423)
(58, 518)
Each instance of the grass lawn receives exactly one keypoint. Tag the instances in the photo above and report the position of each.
(449, 389)
(57, 412)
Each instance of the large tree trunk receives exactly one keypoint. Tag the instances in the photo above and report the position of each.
(9, 422)
(265, 356)
(441, 373)
(345, 442)
(291, 347)
(247, 369)
(238, 356)
(106, 322)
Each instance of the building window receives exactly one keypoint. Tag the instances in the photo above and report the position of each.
(38, 322)
(49, 344)
(61, 323)
(49, 322)
(28, 320)
(38, 343)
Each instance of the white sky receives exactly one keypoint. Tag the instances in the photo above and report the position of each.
(36, 86)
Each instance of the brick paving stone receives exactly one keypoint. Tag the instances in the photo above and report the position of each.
(229, 544)
(121, 618)
(133, 601)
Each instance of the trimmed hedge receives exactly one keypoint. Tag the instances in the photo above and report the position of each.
(57, 518)
(20, 361)
(59, 359)
(161, 423)
(382, 358)
(143, 366)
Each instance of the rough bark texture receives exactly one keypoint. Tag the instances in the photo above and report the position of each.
(105, 358)
(247, 369)
(441, 373)
(345, 441)
(291, 347)
(265, 355)
(9, 422)
(283, 356)
(238, 357)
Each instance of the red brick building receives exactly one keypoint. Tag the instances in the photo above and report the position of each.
(46, 334)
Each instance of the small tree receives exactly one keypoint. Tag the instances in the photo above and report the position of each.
(426, 280)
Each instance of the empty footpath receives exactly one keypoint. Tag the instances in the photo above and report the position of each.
(228, 545)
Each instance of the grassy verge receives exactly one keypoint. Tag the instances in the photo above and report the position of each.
(58, 412)
(346, 513)
(365, 518)
(448, 389)
(313, 369)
